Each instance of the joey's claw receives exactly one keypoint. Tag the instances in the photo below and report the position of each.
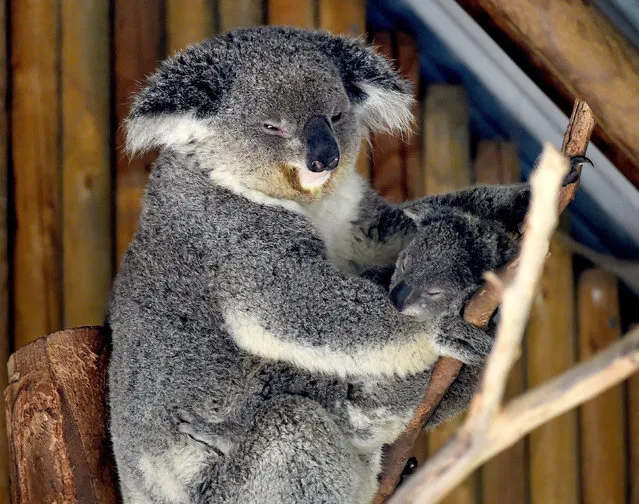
(573, 174)
(465, 342)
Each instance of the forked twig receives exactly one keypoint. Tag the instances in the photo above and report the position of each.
(478, 311)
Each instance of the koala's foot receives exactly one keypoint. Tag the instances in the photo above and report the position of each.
(200, 431)
(463, 341)
(573, 175)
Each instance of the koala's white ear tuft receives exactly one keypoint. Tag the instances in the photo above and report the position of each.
(379, 94)
(386, 109)
(163, 130)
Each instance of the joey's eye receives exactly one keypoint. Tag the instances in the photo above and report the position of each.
(434, 293)
(336, 118)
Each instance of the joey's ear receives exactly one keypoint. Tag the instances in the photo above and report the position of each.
(383, 98)
(179, 99)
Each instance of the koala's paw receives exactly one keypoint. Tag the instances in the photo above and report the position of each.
(573, 175)
(462, 341)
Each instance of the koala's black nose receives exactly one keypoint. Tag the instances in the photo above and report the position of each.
(322, 149)
(399, 295)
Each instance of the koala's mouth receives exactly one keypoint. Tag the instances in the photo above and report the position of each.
(313, 180)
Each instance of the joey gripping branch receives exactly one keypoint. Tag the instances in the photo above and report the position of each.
(478, 312)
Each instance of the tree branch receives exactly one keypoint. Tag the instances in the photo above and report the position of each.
(478, 311)
(471, 446)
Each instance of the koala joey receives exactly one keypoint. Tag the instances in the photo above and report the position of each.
(251, 362)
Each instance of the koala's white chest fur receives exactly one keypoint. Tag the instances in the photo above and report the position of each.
(336, 216)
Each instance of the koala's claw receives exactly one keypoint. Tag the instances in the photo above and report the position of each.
(470, 344)
(573, 174)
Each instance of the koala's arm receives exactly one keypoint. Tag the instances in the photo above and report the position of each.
(382, 229)
(507, 204)
(287, 302)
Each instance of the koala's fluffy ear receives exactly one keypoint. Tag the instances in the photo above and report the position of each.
(179, 99)
(384, 99)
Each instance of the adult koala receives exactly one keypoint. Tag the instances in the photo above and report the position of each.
(248, 356)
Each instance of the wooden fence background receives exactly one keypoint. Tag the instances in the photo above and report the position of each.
(69, 202)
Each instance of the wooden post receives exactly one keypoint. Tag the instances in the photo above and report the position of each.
(86, 161)
(388, 170)
(347, 17)
(549, 347)
(447, 168)
(571, 49)
(503, 478)
(35, 134)
(188, 22)
(5, 343)
(412, 146)
(292, 12)
(240, 14)
(56, 420)
(633, 431)
(603, 444)
(137, 52)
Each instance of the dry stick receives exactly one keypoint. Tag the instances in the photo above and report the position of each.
(441, 472)
(478, 312)
(474, 444)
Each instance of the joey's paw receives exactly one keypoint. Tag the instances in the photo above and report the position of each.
(462, 341)
(573, 175)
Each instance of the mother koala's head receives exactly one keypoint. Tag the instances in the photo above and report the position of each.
(277, 110)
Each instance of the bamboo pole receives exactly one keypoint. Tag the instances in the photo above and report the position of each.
(504, 478)
(603, 444)
(57, 420)
(86, 162)
(137, 51)
(35, 135)
(478, 311)
(447, 168)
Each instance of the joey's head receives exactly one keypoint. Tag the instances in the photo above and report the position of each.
(445, 262)
(277, 110)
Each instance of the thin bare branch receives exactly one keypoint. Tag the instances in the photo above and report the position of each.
(468, 449)
(518, 295)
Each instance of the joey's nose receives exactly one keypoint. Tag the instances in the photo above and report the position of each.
(322, 151)
(399, 295)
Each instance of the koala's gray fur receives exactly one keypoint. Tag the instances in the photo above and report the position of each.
(435, 274)
(250, 361)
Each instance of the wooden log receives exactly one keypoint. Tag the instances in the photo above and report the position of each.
(572, 50)
(603, 444)
(554, 465)
(86, 162)
(56, 420)
(5, 342)
(292, 12)
(347, 17)
(35, 134)
(137, 51)
(633, 434)
(240, 14)
(388, 149)
(188, 22)
(446, 147)
(407, 55)
(447, 168)
(503, 478)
